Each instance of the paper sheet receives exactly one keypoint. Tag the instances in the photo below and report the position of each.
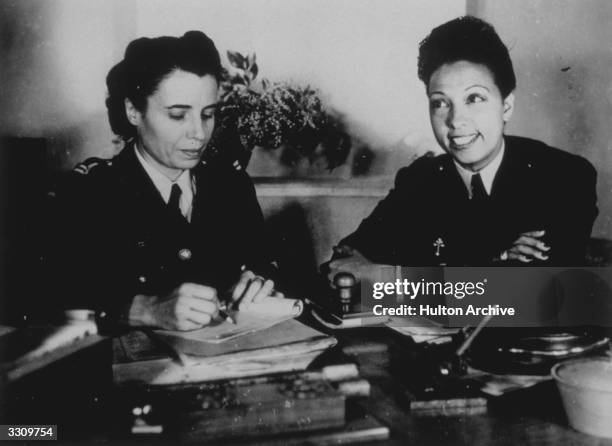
(255, 317)
(496, 385)
(422, 329)
(275, 306)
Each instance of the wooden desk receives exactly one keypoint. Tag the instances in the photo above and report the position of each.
(67, 386)
(527, 417)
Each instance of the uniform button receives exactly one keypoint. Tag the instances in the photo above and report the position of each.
(141, 244)
(102, 314)
(142, 279)
(184, 254)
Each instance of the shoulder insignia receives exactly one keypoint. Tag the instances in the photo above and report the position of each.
(91, 163)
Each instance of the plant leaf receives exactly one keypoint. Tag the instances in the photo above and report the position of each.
(254, 70)
(234, 58)
(242, 61)
(238, 79)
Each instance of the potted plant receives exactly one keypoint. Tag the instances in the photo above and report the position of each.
(275, 116)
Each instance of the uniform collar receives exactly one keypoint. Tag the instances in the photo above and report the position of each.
(487, 173)
(164, 185)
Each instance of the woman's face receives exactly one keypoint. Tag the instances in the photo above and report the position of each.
(468, 113)
(178, 121)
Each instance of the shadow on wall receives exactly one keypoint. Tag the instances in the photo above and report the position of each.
(52, 81)
(69, 146)
(22, 37)
(21, 208)
(293, 248)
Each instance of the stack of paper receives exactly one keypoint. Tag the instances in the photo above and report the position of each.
(259, 343)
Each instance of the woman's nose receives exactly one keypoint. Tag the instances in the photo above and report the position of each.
(456, 117)
(196, 129)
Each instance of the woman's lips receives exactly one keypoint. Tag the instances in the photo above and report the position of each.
(462, 141)
(192, 153)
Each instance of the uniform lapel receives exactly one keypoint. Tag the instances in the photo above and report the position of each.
(511, 196)
(454, 185)
(202, 195)
(144, 204)
(445, 204)
(515, 176)
(506, 178)
(137, 185)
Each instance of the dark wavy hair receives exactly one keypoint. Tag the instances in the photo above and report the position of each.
(146, 63)
(471, 39)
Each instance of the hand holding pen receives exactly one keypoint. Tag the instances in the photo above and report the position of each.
(251, 288)
(187, 307)
(225, 314)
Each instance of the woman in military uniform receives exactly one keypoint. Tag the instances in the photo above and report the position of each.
(157, 236)
(491, 198)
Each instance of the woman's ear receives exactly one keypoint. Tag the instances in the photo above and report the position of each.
(508, 106)
(132, 113)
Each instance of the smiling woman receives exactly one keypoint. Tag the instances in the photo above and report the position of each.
(492, 198)
(468, 113)
(157, 236)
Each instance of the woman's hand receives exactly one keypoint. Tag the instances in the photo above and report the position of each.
(251, 288)
(527, 248)
(187, 307)
(352, 261)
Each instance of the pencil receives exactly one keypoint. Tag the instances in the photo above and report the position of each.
(225, 315)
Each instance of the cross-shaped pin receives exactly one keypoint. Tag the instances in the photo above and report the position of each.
(439, 244)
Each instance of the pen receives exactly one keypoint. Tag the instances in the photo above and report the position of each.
(223, 314)
(466, 344)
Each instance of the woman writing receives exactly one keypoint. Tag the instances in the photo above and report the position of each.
(157, 236)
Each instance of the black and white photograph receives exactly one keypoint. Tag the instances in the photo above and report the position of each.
(298, 222)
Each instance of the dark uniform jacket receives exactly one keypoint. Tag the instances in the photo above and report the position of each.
(428, 219)
(115, 237)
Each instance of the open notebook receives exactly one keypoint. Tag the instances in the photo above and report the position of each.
(256, 317)
(260, 343)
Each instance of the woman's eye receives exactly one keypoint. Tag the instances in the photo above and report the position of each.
(177, 117)
(438, 104)
(207, 116)
(475, 98)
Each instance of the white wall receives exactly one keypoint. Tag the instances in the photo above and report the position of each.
(53, 61)
(361, 54)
